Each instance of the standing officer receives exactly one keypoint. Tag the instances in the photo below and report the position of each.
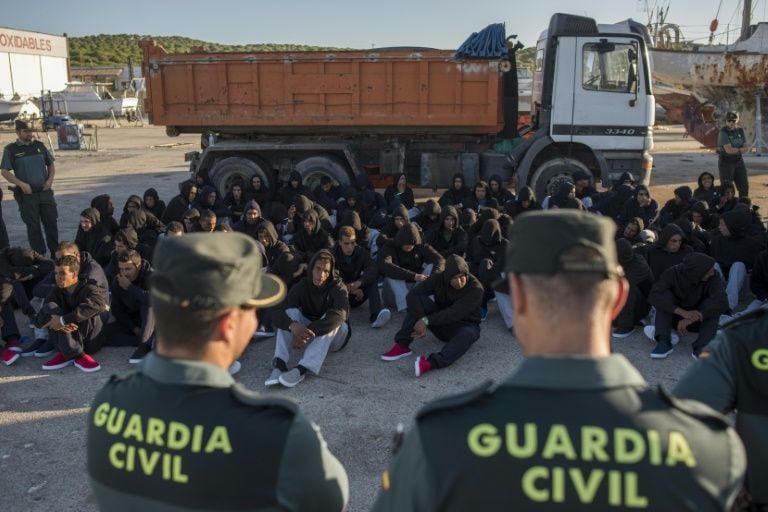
(29, 166)
(732, 375)
(180, 434)
(576, 427)
(731, 145)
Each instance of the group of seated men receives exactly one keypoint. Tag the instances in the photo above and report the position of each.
(336, 248)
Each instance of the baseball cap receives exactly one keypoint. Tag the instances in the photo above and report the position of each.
(212, 271)
(539, 239)
(732, 116)
(21, 125)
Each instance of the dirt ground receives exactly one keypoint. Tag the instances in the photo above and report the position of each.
(357, 401)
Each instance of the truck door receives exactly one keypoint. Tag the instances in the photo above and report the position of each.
(611, 106)
(562, 89)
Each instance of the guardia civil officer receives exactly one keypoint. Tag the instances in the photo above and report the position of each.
(29, 166)
(732, 375)
(576, 427)
(180, 434)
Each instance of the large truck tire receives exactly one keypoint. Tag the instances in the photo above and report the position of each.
(314, 167)
(234, 168)
(551, 173)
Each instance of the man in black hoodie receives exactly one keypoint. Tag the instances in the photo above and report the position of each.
(453, 316)
(180, 203)
(93, 236)
(735, 252)
(689, 294)
(312, 318)
(360, 275)
(457, 194)
(406, 261)
(429, 217)
(134, 323)
(103, 203)
(486, 259)
(449, 238)
(293, 188)
(72, 315)
(311, 238)
(153, 204)
(640, 277)
(251, 221)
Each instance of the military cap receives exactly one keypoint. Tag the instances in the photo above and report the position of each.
(212, 271)
(21, 125)
(732, 115)
(539, 239)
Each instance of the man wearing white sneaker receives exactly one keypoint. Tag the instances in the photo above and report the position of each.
(448, 304)
(312, 319)
(72, 315)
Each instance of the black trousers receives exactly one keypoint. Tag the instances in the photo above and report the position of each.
(736, 173)
(666, 321)
(35, 208)
(487, 276)
(118, 335)
(634, 310)
(371, 294)
(459, 336)
(85, 340)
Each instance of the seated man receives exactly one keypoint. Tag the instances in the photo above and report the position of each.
(72, 315)
(689, 294)
(640, 279)
(360, 275)
(134, 323)
(207, 222)
(486, 259)
(405, 261)
(449, 238)
(453, 315)
(313, 318)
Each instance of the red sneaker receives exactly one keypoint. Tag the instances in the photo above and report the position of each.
(396, 352)
(13, 346)
(87, 364)
(57, 362)
(9, 356)
(421, 366)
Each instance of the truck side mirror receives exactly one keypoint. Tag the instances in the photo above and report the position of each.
(605, 47)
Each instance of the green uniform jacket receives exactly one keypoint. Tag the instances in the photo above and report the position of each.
(732, 375)
(569, 433)
(29, 162)
(182, 435)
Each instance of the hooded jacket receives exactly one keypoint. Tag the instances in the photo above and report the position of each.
(20, 262)
(326, 306)
(243, 226)
(672, 210)
(179, 204)
(368, 195)
(328, 200)
(236, 207)
(103, 203)
(131, 240)
(758, 279)
(490, 244)
(263, 195)
(611, 203)
(352, 219)
(218, 207)
(159, 209)
(448, 242)
(727, 250)
(146, 225)
(98, 240)
(515, 208)
(562, 195)
(287, 194)
(304, 204)
(455, 197)
(659, 259)
(84, 302)
(90, 272)
(454, 305)
(503, 195)
(711, 194)
(357, 266)
(126, 304)
(632, 209)
(389, 230)
(394, 197)
(689, 291)
(397, 264)
(274, 247)
(636, 269)
(485, 214)
(429, 217)
(307, 243)
(134, 201)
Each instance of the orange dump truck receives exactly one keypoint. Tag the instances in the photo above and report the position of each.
(424, 112)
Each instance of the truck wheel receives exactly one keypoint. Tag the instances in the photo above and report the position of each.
(551, 173)
(315, 167)
(235, 168)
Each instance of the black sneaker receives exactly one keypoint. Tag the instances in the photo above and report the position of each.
(662, 350)
(46, 349)
(142, 350)
(32, 348)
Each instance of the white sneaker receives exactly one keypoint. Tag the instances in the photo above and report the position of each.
(274, 378)
(382, 318)
(650, 333)
(235, 367)
(261, 332)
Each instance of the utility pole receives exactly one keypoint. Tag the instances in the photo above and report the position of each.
(746, 20)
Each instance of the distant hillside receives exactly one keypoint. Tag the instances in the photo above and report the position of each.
(115, 50)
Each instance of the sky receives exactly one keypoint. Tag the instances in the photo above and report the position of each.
(441, 24)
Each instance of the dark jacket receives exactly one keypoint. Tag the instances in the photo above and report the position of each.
(159, 209)
(304, 204)
(429, 217)
(390, 229)
(263, 195)
(690, 292)
(126, 304)
(448, 242)
(516, 207)
(636, 269)
(659, 259)
(202, 202)
(275, 247)
(357, 266)
(632, 209)
(611, 203)
(394, 197)
(490, 244)
(454, 305)
(146, 225)
(98, 240)
(327, 200)
(90, 273)
(243, 226)
(503, 195)
(103, 203)
(236, 207)
(739, 246)
(711, 194)
(758, 279)
(179, 204)
(287, 194)
(673, 209)
(306, 243)
(352, 219)
(85, 302)
(397, 264)
(19, 262)
(455, 197)
(326, 307)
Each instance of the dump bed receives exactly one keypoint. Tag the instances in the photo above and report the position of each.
(379, 91)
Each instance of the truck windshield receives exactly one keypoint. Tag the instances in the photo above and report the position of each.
(610, 71)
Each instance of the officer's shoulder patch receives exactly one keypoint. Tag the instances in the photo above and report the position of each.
(456, 401)
(750, 317)
(248, 397)
(692, 408)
